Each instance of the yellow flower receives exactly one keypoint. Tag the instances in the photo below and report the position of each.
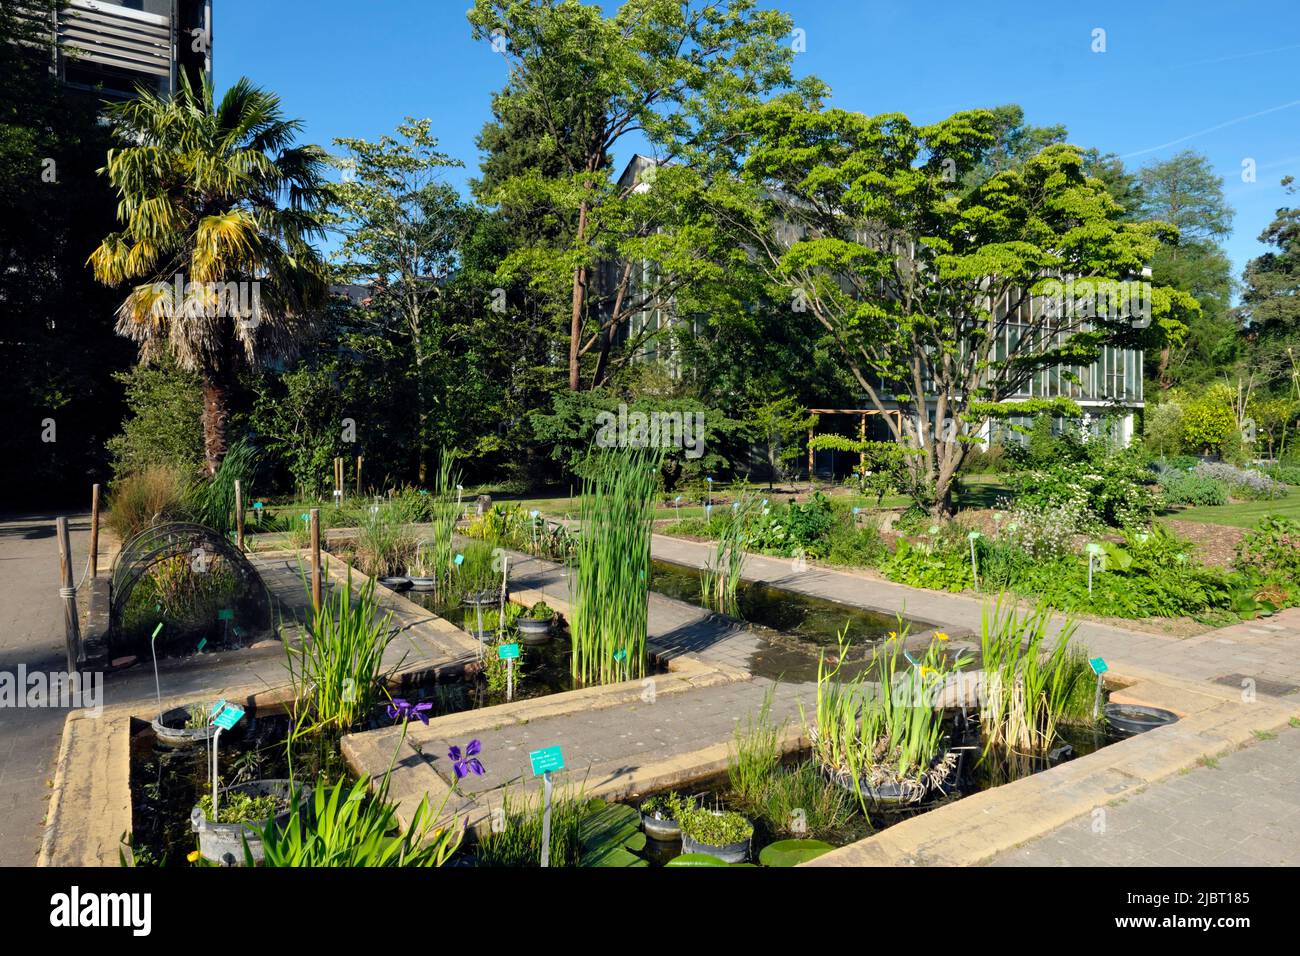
(893, 635)
(927, 671)
(193, 856)
(940, 636)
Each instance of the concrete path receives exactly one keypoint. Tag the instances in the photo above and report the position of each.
(31, 635)
(1243, 810)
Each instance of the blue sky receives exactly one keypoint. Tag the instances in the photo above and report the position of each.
(1217, 77)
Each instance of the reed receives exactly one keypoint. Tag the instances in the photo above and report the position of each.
(1028, 689)
(611, 568)
(720, 579)
(337, 670)
(889, 732)
(443, 520)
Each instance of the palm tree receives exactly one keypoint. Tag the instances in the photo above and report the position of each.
(218, 208)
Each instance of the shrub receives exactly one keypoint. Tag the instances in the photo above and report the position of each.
(1189, 488)
(156, 494)
(1288, 474)
(940, 568)
(1042, 531)
(1244, 482)
(1117, 492)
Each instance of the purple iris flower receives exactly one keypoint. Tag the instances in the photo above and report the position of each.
(469, 764)
(400, 709)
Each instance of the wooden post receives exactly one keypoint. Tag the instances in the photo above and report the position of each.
(358, 476)
(862, 437)
(67, 590)
(810, 459)
(315, 558)
(94, 531)
(239, 516)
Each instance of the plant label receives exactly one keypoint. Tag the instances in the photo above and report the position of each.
(1098, 665)
(508, 652)
(546, 760)
(228, 717)
(226, 614)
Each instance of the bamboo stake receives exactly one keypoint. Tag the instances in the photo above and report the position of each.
(315, 559)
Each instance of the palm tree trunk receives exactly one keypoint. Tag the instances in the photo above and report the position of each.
(216, 411)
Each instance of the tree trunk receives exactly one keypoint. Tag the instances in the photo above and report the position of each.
(216, 412)
(579, 303)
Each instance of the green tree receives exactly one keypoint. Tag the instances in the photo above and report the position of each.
(778, 425)
(402, 231)
(663, 71)
(164, 403)
(863, 223)
(1185, 192)
(58, 352)
(218, 205)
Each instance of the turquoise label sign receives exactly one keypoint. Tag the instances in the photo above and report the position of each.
(1098, 665)
(228, 717)
(546, 760)
(225, 614)
(508, 652)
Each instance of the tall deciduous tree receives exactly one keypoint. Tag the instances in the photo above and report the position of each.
(926, 284)
(217, 204)
(664, 71)
(403, 226)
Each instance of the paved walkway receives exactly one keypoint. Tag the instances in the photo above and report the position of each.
(31, 634)
(1243, 810)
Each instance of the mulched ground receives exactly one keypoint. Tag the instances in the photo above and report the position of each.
(1215, 544)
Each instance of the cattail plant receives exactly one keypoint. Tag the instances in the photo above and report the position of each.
(611, 568)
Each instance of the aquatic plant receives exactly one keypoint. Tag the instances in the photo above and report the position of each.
(337, 670)
(890, 733)
(345, 826)
(713, 827)
(475, 571)
(385, 545)
(755, 752)
(517, 840)
(610, 579)
(444, 516)
(1028, 689)
(722, 574)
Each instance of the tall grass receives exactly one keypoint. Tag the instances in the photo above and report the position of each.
(518, 841)
(611, 577)
(336, 671)
(720, 579)
(385, 544)
(443, 518)
(214, 500)
(1028, 689)
(157, 494)
(755, 752)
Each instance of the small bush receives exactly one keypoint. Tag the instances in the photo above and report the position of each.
(1244, 482)
(1272, 548)
(1189, 488)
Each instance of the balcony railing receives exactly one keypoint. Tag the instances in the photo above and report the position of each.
(116, 37)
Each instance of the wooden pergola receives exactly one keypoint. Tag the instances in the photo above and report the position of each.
(862, 414)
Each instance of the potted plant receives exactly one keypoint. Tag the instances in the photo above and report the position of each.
(478, 580)
(184, 726)
(659, 817)
(422, 570)
(244, 811)
(535, 623)
(724, 834)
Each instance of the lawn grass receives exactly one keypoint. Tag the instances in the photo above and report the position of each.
(1242, 514)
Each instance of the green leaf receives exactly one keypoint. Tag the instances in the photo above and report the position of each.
(695, 859)
(609, 834)
(792, 852)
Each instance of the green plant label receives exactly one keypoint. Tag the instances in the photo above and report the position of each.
(620, 654)
(1098, 665)
(508, 651)
(258, 505)
(546, 760)
(155, 631)
(225, 614)
(228, 717)
(458, 560)
(217, 708)
(202, 644)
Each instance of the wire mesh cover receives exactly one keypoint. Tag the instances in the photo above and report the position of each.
(196, 583)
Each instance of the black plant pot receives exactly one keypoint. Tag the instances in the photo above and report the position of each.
(1129, 720)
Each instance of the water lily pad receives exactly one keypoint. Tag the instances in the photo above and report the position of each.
(695, 859)
(792, 852)
(610, 834)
